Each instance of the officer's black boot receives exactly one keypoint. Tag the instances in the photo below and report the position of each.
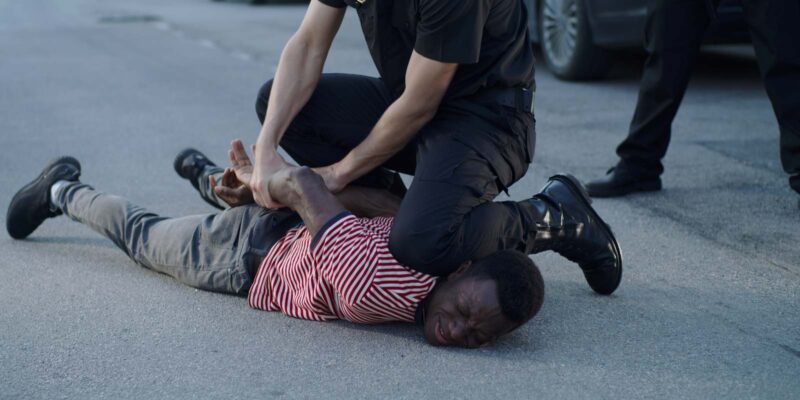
(565, 222)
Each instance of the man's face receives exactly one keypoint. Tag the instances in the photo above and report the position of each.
(465, 311)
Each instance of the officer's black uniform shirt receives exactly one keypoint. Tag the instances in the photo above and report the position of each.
(488, 38)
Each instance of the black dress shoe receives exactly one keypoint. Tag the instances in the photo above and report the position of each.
(190, 163)
(31, 205)
(567, 224)
(619, 183)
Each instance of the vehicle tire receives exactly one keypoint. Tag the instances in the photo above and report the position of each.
(566, 41)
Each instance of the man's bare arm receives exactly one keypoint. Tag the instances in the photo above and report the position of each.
(369, 202)
(426, 83)
(304, 191)
(298, 73)
(361, 201)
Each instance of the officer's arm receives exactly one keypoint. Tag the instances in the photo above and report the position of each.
(302, 190)
(426, 83)
(298, 73)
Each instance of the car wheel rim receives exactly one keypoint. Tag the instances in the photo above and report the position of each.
(559, 30)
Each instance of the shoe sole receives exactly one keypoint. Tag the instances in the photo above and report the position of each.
(47, 168)
(577, 188)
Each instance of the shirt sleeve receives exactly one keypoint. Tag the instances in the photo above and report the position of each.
(451, 30)
(334, 3)
(347, 254)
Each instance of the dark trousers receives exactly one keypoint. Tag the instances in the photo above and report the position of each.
(215, 252)
(461, 160)
(675, 31)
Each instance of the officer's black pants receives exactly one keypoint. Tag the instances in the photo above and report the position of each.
(675, 31)
(460, 161)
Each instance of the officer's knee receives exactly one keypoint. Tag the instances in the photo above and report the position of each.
(419, 252)
(262, 100)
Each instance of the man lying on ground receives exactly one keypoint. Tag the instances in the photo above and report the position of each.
(320, 262)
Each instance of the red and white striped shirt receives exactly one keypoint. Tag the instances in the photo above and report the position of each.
(347, 274)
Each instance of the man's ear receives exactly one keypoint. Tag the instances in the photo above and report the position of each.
(460, 271)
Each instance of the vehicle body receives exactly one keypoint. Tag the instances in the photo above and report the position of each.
(577, 36)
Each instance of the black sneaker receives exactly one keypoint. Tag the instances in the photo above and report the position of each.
(31, 205)
(190, 163)
(618, 183)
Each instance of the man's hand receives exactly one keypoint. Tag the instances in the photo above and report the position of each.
(334, 181)
(240, 162)
(259, 183)
(304, 191)
(230, 189)
(248, 176)
(267, 165)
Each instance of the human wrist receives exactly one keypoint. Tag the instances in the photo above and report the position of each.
(270, 160)
(344, 171)
(267, 142)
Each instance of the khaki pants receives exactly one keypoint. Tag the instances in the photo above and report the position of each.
(215, 252)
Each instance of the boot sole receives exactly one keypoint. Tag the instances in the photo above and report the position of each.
(577, 188)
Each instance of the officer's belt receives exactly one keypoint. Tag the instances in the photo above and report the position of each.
(519, 98)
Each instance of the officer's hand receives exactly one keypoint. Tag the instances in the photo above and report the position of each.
(266, 167)
(333, 180)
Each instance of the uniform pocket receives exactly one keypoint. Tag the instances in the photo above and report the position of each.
(521, 124)
(450, 162)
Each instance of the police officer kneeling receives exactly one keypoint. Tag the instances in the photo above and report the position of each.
(453, 107)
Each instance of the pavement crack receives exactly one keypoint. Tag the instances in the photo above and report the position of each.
(203, 41)
(129, 18)
(741, 152)
(790, 349)
(663, 213)
(723, 318)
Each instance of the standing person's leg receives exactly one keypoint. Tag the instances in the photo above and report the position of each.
(210, 252)
(674, 33)
(339, 115)
(775, 30)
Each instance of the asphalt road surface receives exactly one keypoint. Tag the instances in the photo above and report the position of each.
(709, 306)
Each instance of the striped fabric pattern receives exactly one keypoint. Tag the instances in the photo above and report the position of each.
(349, 274)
